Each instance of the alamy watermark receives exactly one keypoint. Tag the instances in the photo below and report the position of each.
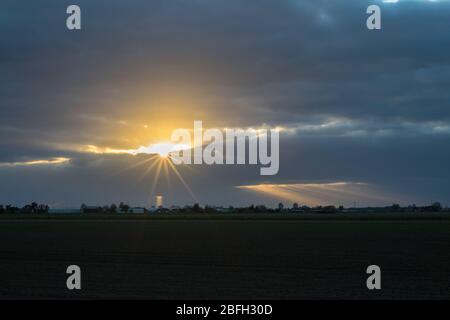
(73, 21)
(74, 279)
(229, 147)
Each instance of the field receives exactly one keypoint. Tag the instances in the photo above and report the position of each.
(259, 257)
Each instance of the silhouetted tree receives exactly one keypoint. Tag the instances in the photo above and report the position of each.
(124, 207)
(196, 208)
(43, 208)
(26, 209)
(261, 208)
(12, 209)
(280, 206)
(436, 207)
(34, 207)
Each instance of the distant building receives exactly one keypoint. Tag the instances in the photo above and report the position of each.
(91, 209)
(64, 211)
(222, 209)
(159, 201)
(153, 209)
(297, 209)
(325, 209)
(137, 210)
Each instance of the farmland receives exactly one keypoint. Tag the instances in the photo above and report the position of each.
(259, 257)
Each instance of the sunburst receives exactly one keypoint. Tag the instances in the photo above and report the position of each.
(162, 163)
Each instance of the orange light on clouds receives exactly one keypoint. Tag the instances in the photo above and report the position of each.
(312, 194)
(52, 161)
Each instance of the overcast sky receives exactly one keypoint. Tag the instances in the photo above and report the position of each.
(366, 113)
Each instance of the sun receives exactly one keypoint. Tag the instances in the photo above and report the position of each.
(160, 160)
(163, 154)
(162, 149)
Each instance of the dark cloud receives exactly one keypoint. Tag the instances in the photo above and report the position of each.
(297, 64)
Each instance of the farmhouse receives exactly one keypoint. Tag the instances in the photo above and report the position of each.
(137, 210)
(91, 209)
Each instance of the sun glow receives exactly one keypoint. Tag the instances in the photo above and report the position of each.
(162, 149)
(325, 193)
(157, 161)
(52, 161)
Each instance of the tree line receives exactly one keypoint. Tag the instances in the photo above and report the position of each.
(35, 207)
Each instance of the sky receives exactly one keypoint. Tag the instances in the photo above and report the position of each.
(365, 114)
